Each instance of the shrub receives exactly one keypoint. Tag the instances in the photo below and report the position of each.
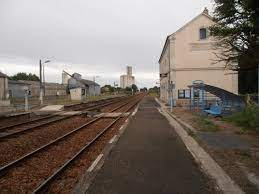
(205, 124)
(248, 118)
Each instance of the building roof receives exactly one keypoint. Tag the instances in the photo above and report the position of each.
(17, 82)
(2, 74)
(204, 13)
(37, 83)
(89, 82)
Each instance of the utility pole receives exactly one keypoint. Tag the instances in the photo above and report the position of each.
(115, 87)
(41, 89)
(43, 75)
(94, 85)
(41, 80)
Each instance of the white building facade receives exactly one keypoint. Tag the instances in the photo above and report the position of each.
(127, 80)
(188, 55)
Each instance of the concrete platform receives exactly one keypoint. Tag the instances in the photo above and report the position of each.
(150, 158)
(113, 115)
(52, 108)
(70, 113)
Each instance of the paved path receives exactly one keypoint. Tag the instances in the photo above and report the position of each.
(149, 158)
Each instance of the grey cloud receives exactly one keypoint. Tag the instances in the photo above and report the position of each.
(100, 34)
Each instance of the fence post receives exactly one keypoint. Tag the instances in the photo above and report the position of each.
(26, 107)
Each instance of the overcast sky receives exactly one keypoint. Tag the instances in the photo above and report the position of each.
(97, 37)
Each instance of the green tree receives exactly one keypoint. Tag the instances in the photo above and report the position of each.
(237, 33)
(25, 76)
(143, 89)
(155, 89)
(107, 89)
(134, 88)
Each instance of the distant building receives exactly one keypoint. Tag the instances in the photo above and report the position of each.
(188, 55)
(81, 88)
(51, 89)
(4, 94)
(127, 80)
(65, 78)
(17, 89)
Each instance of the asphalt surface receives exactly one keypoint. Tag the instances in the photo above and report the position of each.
(148, 159)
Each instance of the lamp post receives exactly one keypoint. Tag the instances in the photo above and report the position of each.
(41, 83)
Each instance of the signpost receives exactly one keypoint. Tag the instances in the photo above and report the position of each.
(171, 89)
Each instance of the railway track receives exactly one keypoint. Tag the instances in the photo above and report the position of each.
(82, 106)
(13, 130)
(71, 144)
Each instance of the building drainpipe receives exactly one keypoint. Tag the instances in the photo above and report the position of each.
(170, 87)
(258, 84)
(41, 86)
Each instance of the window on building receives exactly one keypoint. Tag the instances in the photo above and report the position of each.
(203, 33)
(180, 93)
(83, 92)
(184, 94)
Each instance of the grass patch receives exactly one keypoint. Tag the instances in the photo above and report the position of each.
(191, 133)
(205, 124)
(248, 119)
(153, 94)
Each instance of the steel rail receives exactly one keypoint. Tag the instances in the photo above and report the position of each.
(8, 135)
(6, 167)
(90, 107)
(93, 103)
(24, 122)
(47, 182)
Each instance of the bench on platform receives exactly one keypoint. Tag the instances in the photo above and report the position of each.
(214, 110)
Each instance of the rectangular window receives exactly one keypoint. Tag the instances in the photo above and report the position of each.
(184, 94)
(83, 92)
(180, 93)
(187, 93)
(203, 33)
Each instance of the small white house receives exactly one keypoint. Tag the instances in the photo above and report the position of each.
(81, 88)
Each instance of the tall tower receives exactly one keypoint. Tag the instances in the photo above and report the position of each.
(129, 71)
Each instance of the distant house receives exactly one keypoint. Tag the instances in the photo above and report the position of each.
(17, 89)
(4, 95)
(81, 88)
(51, 89)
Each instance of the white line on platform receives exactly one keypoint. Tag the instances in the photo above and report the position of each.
(135, 111)
(159, 110)
(90, 169)
(207, 163)
(112, 139)
(121, 127)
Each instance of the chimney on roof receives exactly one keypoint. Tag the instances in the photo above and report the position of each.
(206, 11)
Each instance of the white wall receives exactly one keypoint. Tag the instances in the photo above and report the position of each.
(76, 94)
(194, 59)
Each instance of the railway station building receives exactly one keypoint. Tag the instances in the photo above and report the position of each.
(188, 55)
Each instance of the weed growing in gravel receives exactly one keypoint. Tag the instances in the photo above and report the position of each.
(205, 124)
(248, 119)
